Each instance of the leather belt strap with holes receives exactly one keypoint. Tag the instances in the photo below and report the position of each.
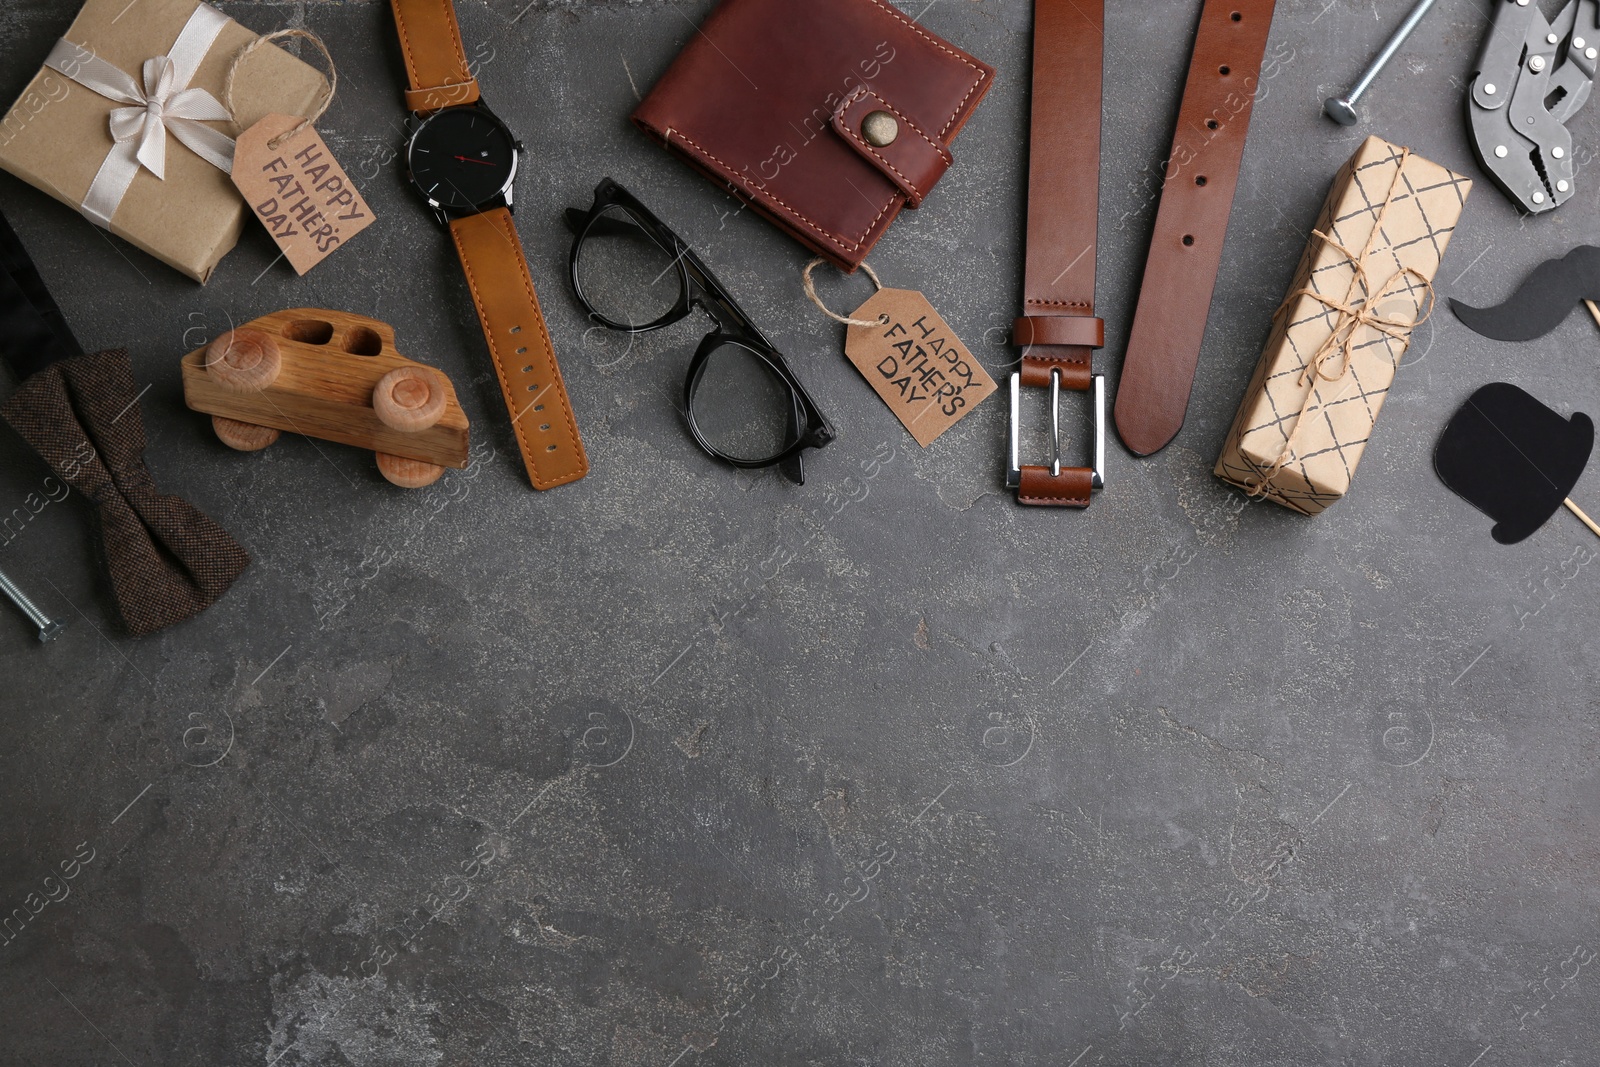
(1058, 331)
(1192, 223)
(491, 255)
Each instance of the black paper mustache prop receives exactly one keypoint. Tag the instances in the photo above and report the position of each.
(1543, 301)
(1514, 459)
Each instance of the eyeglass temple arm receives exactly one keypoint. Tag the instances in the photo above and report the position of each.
(577, 222)
(718, 301)
(794, 469)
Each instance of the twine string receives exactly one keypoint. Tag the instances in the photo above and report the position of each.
(811, 291)
(244, 53)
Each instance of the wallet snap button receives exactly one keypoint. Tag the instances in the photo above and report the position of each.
(880, 129)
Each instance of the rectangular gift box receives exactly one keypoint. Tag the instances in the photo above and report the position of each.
(1364, 282)
(57, 134)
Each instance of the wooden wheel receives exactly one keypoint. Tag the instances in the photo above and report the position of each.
(244, 360)
(243, 436)
(408, 473)
(410, 399)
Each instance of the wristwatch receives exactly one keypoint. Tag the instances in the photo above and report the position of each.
(463, 160)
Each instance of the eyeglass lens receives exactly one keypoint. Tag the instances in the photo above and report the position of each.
(742, 407)
(624, 274)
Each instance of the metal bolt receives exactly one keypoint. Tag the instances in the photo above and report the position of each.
(1489, 89)
(1577, 42)
(1536, 64)
(1557, 151)
(1538, 198)
(1590, 53)
(1551, 38)
(1342, 109)
(49, 629)
(1561, 186)
(1500, 151)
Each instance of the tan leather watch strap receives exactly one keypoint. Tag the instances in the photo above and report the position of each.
(1192, 223)
(436, 62)
(1058, 331)
(519, 344)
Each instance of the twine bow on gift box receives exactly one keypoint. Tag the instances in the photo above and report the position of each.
(163, 104)
(1358, 309)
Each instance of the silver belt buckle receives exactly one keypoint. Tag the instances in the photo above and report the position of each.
(1097, 435)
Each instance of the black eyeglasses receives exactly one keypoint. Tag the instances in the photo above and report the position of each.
(631, 273)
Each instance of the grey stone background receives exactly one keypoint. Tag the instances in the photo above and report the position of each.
(706, 768)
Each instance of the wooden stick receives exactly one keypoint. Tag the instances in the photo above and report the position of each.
(1587, 521)
(1594, 309)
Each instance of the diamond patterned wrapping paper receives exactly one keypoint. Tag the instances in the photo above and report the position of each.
(1365, 280)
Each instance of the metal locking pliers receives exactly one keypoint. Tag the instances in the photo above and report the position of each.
(1532, 77)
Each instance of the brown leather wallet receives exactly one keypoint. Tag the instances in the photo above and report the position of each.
(1192, 222)
(827, 116)
(1058, 331)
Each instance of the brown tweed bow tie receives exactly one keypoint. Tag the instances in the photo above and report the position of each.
(168, 561)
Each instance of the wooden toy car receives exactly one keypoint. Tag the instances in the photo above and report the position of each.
(331, 375)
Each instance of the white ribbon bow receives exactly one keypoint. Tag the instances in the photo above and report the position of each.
(163, 104)
(164, 108)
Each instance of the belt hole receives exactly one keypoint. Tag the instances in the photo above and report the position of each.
(1213, 124)
(552, 448)
(522, 351)
(1200, 179)
(518, 329)
(535, 388)
(528, 369)
(1224, 71)
(546, 426)
(1188, 239)
(538, 407)
(1237, 17)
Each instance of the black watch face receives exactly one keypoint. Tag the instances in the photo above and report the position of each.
(462, 157)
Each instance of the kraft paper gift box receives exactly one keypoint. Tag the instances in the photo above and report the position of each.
(1363, 284)
(58, 134)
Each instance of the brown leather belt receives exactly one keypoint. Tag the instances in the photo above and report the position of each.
(1192, 223)
(1058, 331)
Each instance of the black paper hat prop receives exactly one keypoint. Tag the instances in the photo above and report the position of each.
(80, 413)
(1514, 459)
(1543, 301)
